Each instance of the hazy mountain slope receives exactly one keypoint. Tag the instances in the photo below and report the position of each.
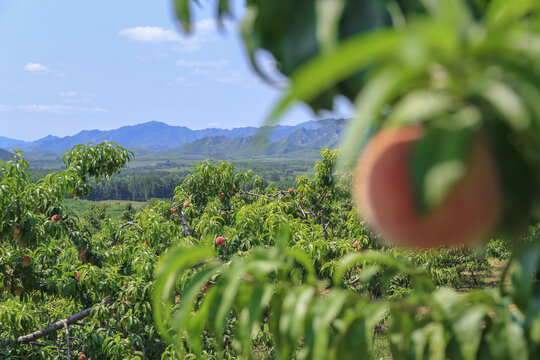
(303, 142)
(151, 135)
(7, 143)
(151, 138)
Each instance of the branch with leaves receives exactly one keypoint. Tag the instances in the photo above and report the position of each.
(61, 324)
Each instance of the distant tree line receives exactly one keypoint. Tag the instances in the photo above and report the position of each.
(144, 187)
(143, 184)
(136, 187)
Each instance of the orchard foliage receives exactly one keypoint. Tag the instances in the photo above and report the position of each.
(282, 286)
(460, 69)
(114, 280)
(298, 275)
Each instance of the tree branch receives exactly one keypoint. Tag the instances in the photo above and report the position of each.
(25, 339)
(183, 220)
(129, 223)
(253, 194)
(66, 326)
(302, 210)
(280, 192)
(324, 227)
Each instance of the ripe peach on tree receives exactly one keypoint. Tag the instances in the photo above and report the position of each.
(26, 260)
(468, 210)
(220, 241)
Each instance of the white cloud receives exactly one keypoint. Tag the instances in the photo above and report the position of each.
(150, 34)
(218, 64)
(60, 109)
(68, 93)
(157, 35)
(204, 31)
(74, 97)
(3, 108)
(36, 67)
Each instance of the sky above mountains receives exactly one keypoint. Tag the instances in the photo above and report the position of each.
(69, 65)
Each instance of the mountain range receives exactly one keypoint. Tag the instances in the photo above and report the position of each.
(153, 137)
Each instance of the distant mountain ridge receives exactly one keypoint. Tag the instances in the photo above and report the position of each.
(7, 143)
(158, 136)
(302, 142)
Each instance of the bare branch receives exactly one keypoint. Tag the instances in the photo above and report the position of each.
(324, 227)
(130, 223)
(280, 192)
(302, 210)
(183, 220)
(66, 326)
(25, 339)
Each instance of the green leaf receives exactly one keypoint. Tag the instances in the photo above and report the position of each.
(328, 15)
(183, 321)
(524, 271)
(293, 318)
(379, 257)
(183, 14)
(325, 70)
(175, 262)
(439, 161)
(517, 344)
(467, 330)
(377, 93)
(509, 104)
(419, 105)
(325, 310)
(229, 284)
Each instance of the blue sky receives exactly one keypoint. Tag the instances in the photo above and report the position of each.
(69, 65)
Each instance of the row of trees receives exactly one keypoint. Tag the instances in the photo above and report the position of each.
(141, 185)
(136, 188)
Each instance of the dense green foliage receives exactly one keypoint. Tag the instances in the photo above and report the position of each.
(114, 277)
(246, 270)
(458, 69)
